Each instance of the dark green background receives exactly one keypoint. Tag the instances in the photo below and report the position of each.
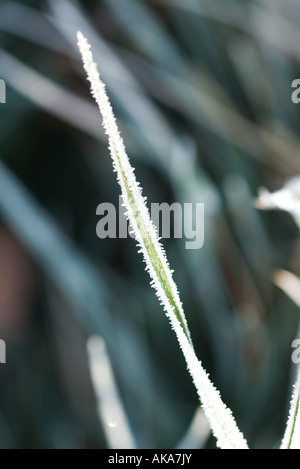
(202, 93)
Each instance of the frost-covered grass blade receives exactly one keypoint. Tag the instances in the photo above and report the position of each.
(220, 417)
(291, 439)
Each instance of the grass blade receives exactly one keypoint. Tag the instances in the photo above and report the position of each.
(220, 417)
(291, 439)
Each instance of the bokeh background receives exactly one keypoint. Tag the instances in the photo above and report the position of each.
(202, 93)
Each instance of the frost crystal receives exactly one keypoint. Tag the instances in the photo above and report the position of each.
(291, 439)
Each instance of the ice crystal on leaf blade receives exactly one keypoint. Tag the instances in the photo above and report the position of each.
(291, 439)
(220, 417)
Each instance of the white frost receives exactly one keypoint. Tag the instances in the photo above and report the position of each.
(291, 439)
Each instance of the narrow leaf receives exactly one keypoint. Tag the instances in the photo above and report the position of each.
(220, 417)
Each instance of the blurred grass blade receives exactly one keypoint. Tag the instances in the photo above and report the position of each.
(110, 407)
(48, 95)
(29, 24)
(250, 18)
(56, 254)
(148, 33)
(288, 283)
(197, 433)
(89, 294)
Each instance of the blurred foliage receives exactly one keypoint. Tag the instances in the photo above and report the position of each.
(202, 91)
